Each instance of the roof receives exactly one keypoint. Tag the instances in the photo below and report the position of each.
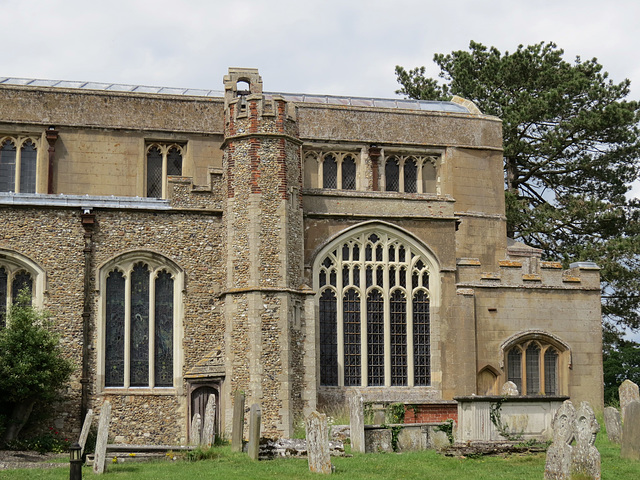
(405, 104)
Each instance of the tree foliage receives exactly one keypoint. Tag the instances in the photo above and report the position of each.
(32, 367)
(571, 151)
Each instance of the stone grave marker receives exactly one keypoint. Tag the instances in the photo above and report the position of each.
(84, 433)
(440, 440)
(103, 434)
(255, 419)
(559, 454)
(356, 416)
(196, 425)
(509, 389)
(318, 443)
(208, 429)
(585, 460)
(628, 393)
(630, 447)
(612, 423)
(237, 424)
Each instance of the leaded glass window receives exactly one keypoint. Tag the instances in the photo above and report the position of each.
(533, 366)
(514, 362)
(367, 337)
(330, 172)
(392, 175)
(550, 371)
(14, 280)
(410, 176)
(533, 369)
(139, 325)
(348, 173)
(162, 161)
(18, 164)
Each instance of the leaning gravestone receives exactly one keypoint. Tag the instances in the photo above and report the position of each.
(237, 425)
(356, 416)
(558, 463)
(509, 389)
(585, 461)
(196, 425)
(103, 434)
(208, 430)
(612, 424)
(318, 443)
(628, 393)
(84, 433)
(255, 418)
(630, 447)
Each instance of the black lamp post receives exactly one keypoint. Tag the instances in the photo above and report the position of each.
(75, 461)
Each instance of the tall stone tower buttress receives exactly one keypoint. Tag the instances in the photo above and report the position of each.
(264, 301)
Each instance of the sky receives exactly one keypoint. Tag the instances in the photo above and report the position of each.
(339, 47)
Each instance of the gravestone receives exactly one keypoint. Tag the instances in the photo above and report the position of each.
(630, 447)
(84, 433)
(209, 424)
(628, 393)
(318, 443)
(378, 440)
(255, 418)
(585, 461)
(356, 416)
(237, 423)
(101, 441)
(612, 424)
(196, 425)
(558, 463)
(509, 389)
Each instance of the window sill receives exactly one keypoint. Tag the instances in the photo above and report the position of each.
(159, 391)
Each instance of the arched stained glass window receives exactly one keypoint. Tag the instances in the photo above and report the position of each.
(381, 329)
(139, 301)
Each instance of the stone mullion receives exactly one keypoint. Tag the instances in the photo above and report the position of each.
(18, 165)
(152, 329)
(410, 337)
(419, 182)
(387, 312)
(127, 329)
(339, 159)
(340, 317)
(165, 185)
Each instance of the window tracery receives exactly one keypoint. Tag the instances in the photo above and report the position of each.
(141, 305)
(374, 306)
(18, 164)
(410, 173)
(533, 365)
(17, 273)
(334, 170)
(163, 160)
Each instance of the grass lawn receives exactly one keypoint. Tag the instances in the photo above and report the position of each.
(414, 465)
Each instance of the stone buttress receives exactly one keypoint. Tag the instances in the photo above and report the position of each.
(264, 296)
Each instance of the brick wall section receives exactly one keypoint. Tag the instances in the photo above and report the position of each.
(428, 413)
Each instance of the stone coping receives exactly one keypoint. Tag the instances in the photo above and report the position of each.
(121, 447)
(511, 398)
(404, 425)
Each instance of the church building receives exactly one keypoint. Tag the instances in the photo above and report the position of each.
(189, 244)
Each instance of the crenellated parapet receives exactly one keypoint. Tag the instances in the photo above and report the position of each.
(518, 274)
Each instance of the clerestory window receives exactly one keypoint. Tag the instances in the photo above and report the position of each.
(410, 174)
(533, 367)
(141, 308)
(374, 311)
(334, 170)
(163, 160)
(18, 164)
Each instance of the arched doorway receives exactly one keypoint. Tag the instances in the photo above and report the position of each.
(200, 395)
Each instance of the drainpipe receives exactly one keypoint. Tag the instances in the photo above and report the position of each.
(88, 223)
(52, 137)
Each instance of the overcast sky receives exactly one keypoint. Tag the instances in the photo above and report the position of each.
(339, 47)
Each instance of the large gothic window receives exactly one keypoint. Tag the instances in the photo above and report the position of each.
(140, 305)
(374, 298)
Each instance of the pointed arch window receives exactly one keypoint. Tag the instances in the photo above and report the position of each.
(338, 170)
(18, 273)
(163, 160)
(533, 365)
(410, 173)
(141, 303)
(18, 164)
(379, 334)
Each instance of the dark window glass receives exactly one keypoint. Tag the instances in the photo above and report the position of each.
(348, 173)
(403, 277)
(139, 349)
(356, 275)
(329, 172)
(514, 368)
(351, 324)
(8, 167)
(164, 330)
(398, 319)
(345, 275)
(114, 321)
(369, 276)
(414, 280)
(375, 338)
(410, 176)
(425, 279)
(401, 254)
(28, 162)
(332, 277)
(4, 278)
(328, 339)
(368, 253)
(356, 252)
(345, 251)
(533, 369)
(392, 175)
(392, 277)
(327, 262)
(550, 372)
(421, 344)
(22, 281)
(154, 173)
(174, 162)
(323, 278)
(380, 277)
